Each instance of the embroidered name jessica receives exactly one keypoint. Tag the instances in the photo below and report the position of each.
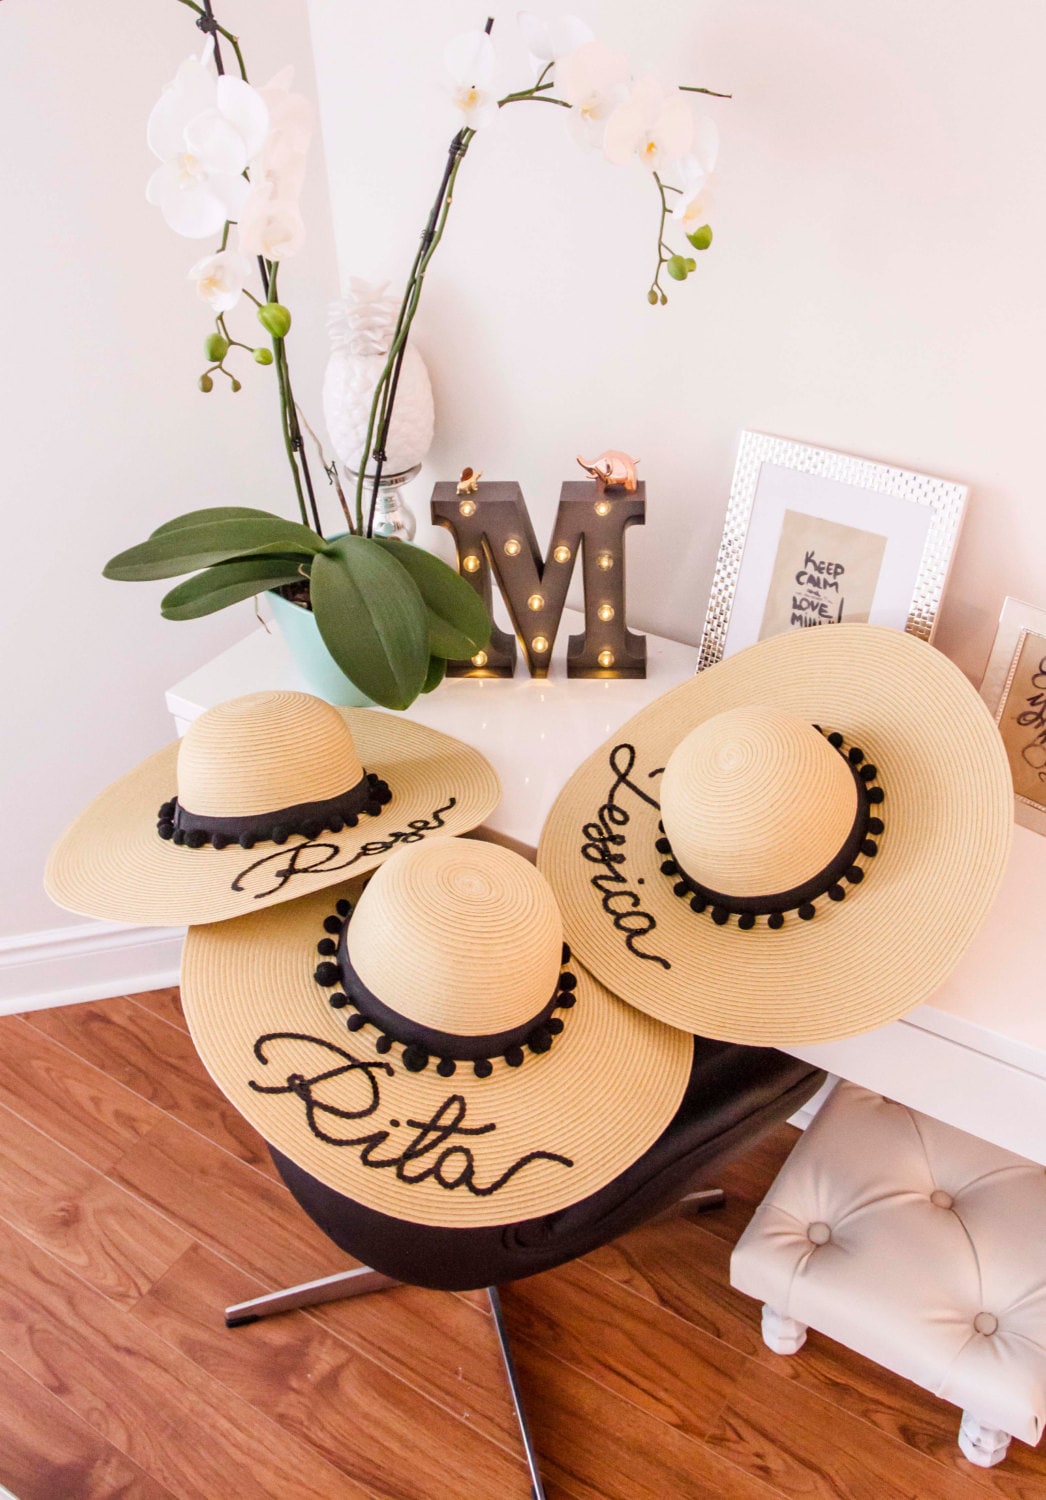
(453, 1166)
(314, 857)
(621, 904)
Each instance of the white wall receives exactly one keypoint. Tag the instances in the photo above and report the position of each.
(876, 284)
(103, 433)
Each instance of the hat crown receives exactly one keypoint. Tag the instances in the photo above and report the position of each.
(460, 936)
(755, 801)
(265, 751)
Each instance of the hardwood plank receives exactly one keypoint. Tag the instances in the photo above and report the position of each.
(804, 1446)
(746, 1180)
(157, 1061)
(597, 1446)
(228, 1206)
(167, 1004)
(361, 1419)
(646, 1355)
(98, 1232)
(49, 1453)
(70, 1100)
(166, 1414)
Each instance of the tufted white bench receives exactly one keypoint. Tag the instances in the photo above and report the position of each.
(918, 1246)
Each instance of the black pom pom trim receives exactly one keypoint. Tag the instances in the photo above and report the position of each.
(681, 888)
(332, 924)
(219, 840)
(165, 830)
(875, 795)
(356, 1022)
(568, 981)
(855, 756)
(855, 874)
(339, 1001)
(746, 921)
(554, 1024)
(279, 834)
(383, 1044)
(669, 867)
(482, 1067)
(876, 826)
(514, 1057)
(446, 1067)
(311, 830)
(351, 820)
(246, 840)
(415, 1059)
(195, 838)
(807, 911)
(870, 848)
(775, 920)
(836, 893)
(343, 908)
(565, 999)
(869, 772)
(566, 953)
(663, 846)
(327, 946)
(540, 1039)
(335, 825)
(327, 974)
(720, 916)
(166, 811)
(698, 903)
(835, 739)
(178, 836)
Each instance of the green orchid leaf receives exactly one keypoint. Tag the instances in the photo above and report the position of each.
(193, 547)
(224, 584)
(459, 624)
(436, 673)
(373, 620)
(211, 513)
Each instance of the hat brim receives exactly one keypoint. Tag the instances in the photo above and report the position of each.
(527, 1141)
(948, 814)
(112, 863)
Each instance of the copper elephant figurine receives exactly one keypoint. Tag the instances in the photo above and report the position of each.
(613, 470)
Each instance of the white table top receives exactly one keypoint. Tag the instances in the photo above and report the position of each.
(975, 1056)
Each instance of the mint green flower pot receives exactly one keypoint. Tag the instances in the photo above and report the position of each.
(321, 672)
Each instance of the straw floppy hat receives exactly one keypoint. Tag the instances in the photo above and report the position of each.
(265, 797)
(794, 846)
(427, 1047)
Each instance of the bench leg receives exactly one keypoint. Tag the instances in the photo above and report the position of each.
(982, 1445)
(781, 1334)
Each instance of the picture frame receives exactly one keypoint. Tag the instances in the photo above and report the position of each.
(812, 536)
(1014, 688)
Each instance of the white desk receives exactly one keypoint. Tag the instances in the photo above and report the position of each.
(975, 1057)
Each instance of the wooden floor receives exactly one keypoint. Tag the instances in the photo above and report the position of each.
(134, 1204)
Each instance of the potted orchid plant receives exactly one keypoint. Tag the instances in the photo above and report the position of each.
(232, 162)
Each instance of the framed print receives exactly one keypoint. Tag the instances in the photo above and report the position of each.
(1014, 688)
(813, 537)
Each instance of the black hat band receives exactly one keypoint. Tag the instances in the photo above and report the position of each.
(304, 819)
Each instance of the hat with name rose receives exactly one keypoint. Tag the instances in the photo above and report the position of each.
(427, 1046)
(264, 798)
(794, 846)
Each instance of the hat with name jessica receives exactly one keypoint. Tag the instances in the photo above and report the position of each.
(793, 846)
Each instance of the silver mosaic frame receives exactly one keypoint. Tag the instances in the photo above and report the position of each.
(944, 498)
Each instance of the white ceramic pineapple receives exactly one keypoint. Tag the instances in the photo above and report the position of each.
(361, 328)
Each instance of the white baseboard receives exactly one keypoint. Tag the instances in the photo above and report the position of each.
(92, 961)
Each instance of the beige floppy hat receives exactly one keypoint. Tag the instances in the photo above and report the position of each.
(266, 797)
(794, 846)
(427, 1047)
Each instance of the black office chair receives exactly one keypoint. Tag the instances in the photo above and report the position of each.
(735, 1094)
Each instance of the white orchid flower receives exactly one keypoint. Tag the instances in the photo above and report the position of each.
(205, 129)
(594, 81)
(549, 41)
(653, 126)
(472, 64)
(220, 278)
(270, 220)
(693, 173)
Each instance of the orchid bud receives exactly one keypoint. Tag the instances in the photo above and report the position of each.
(701, 238)
(236, 386)
(276, 318)
(205, 383)
(262, 356)
(664, 299)
(651, 297)
(677, 268)
(215, 347)
(691, 263)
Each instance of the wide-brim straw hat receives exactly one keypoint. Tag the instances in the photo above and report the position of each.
(428, 1048)
(794, 846)
(266, 797)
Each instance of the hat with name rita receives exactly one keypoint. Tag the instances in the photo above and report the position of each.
(427, 1046)
(794, 846)
(266, 797)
